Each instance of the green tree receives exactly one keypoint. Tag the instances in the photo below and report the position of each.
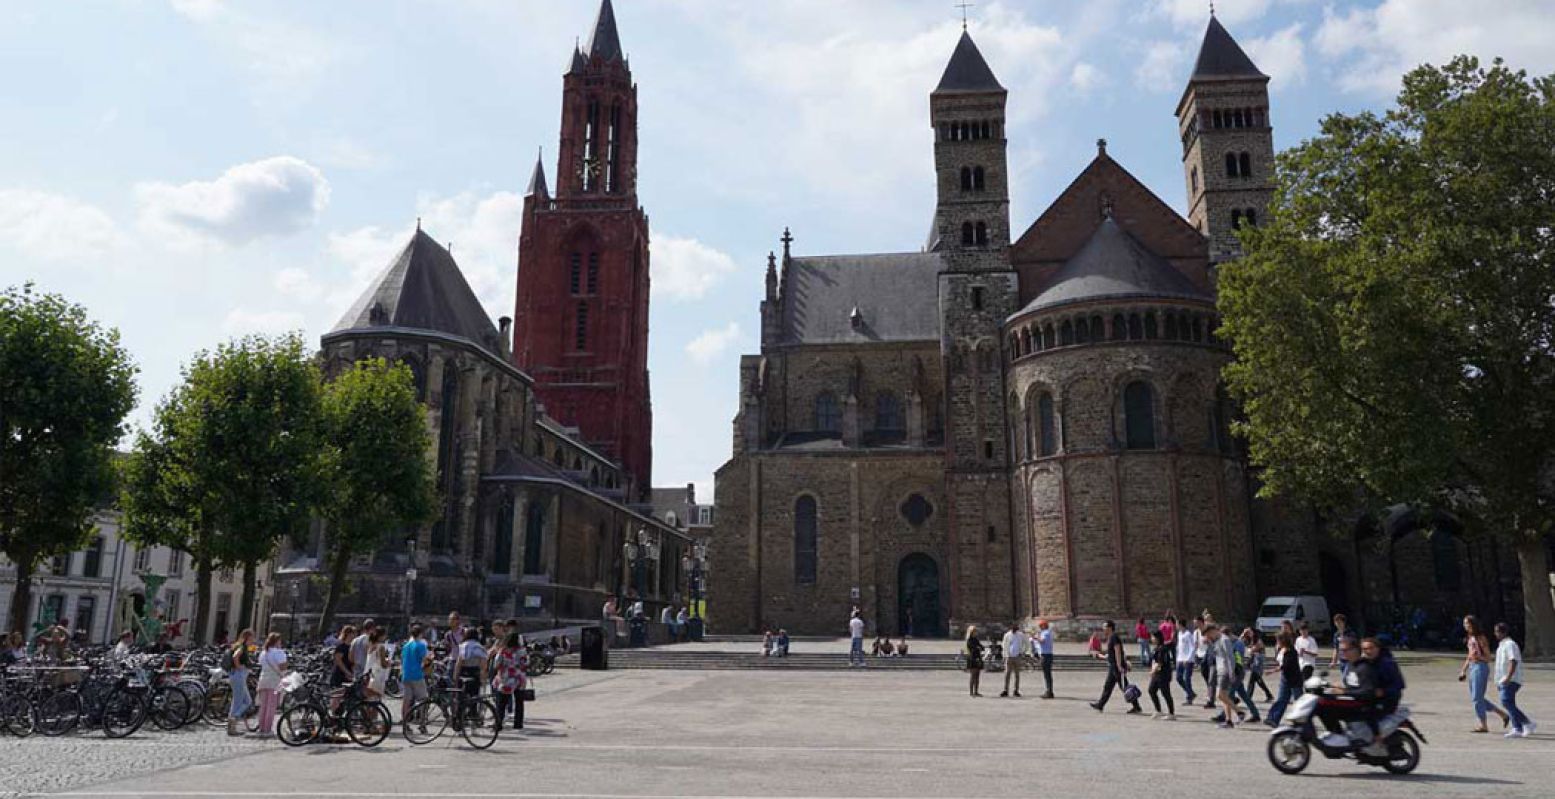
(66, 385)
(377, 468)
(1393, 319)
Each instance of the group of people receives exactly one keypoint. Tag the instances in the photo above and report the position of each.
(1012, 649)
(676, 620)
(774, 644)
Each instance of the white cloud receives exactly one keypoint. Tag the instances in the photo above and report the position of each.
(1281, 56)
(712, 343)
(1164, 68)
(684, 269)
(1370, 49)
(1085, 77)
(1195, 13)
(297, 284)
(272, 197)
(55, 227)
(286, 58)
(240, 321)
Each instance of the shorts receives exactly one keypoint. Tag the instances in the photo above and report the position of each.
(413, 691)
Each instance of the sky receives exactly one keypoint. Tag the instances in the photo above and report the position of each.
(194, 170)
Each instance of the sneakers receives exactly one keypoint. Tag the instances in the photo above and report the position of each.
(1226, 725)
(1529, 727)
(1155, 716)
(1513, 733)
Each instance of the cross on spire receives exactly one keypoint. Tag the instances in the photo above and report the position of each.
(964, 7)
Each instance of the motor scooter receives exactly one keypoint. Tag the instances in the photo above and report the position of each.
(1396, 746)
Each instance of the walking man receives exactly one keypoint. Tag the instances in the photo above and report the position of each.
(856, 632)
(1117, 668)
(1509, 679)
(1187, 657)
(413, 679)
(1224, 657)
(1042, 647)
(1015, 643)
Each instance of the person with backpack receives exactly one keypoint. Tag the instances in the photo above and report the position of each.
(236, 666)
(1117, 672)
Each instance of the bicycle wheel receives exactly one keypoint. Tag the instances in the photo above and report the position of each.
(392, 687)
(425, 722)
(218, 702)
(169, 707)
(16, 716)
(300, 724)
(195, 693)
(478, 723)
(368, 723)
(57, 714)
(123, 713)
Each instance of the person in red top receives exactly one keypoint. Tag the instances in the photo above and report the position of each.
(508, 677)
(1142, 635)
(1168, 629)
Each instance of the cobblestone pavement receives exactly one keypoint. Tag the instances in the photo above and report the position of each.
(38, 764)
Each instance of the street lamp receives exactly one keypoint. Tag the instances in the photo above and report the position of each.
(695, 565)
(291, 617)
(410, 581)
(637, 553)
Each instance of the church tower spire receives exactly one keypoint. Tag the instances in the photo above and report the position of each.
(1227, 142)
(966, 110)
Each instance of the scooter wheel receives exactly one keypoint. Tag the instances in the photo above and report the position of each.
(1403, 753)
(1288, 753)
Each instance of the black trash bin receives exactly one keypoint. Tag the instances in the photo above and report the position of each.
(591, 649)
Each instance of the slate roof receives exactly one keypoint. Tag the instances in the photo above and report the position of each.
(967, 71)
(896, 294)
(422, 288)
(1114, 265)
(606, 42)
(1221, 57)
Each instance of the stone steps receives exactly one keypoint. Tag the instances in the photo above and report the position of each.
(811, 661)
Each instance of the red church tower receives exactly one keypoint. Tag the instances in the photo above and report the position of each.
(581, 322)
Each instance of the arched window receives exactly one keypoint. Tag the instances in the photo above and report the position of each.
(581, 330)
(977, 178)
(1251, 217)
(1139, 415)
(1025, 341)
(982, 234)
(827, 417)
(966, 178)
(575, 274)
(1151, 331)
(1198, 330)
(1066, 333)
(1171, 326)
(1236, 218)
(805, 535)
(1236, 118)
(1119, 327)
(888, 411)
(502, 551)
(1098, 333)
(968, 238)
(534, 539)
(1082, 331)
(1047, 430)
(986, 130)
(1230, 165)
(1217, 118)
(1246, 165)
(1136, 330)
(1049, 341)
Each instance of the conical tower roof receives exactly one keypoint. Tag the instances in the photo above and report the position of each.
(537, 187)
(423, 289)
(967, 71)
(606, 42)
(1221, 57)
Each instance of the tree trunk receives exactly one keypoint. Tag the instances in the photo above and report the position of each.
(246, 612)
(21, 597)
(337, 579)
(202, 602)
(1538, 605)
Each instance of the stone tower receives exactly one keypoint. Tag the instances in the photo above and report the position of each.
(977, 291)
(1227, 142)
(581, 320)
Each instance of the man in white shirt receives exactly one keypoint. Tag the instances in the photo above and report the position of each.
(856, 633)
(1042, 648)
(1187, 656)
(1509, 679)
(1014, 645)
(1306, 652)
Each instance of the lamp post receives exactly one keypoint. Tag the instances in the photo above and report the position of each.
(410, 581)
(637, 552)
(695, 565)
(291, 617)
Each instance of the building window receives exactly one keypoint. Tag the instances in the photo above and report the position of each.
(987, 449)
(86, 611)
(143, 559)
(888, 412)
(1236, 218)
(502, 549)
(993, 534)
(575, 275)
(827, 417)
(1151, 331)
(534, 539)
(92, 564)
(1066, 333)
(1047, 443)
(1193, 177)
(1250, 216)
(1245, 164)
(977, 178)
(593, 273)
(60, 565)
(1139, 415)
(581, 330)
(223, 613)
(170, 604)
(1136, 329)
(966, 178)
(977, 298)
(982, 234)
(917, 510)
(1231, 165)
(805, 535)
(175, 563)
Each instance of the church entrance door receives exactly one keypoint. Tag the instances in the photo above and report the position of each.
(917, 596)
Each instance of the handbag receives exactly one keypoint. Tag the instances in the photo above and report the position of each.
(1130, 691)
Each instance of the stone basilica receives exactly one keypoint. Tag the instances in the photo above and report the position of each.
(999, 425)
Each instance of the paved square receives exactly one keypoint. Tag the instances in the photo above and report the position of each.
(805, 734)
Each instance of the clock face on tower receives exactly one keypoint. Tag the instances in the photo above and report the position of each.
(588, 167)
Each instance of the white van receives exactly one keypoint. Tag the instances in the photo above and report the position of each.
(1295, 609)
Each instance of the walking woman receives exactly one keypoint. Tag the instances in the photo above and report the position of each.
(1163, 662)
(1289, 664)
(272, 667)
(237, 676)
(1255, 663)
(974, 660)
(507, 676)
(1476, 669)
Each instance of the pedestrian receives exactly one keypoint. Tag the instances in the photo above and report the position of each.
(414, 659)
(1014, 648)
(507, 677)
(1117, 669)
(1219, 650)
(1341, 632)
(377, 665)
(1187, 656)
(340, 663)
(1206, 660)
(449, 645)
(1255, 663)
(237, 677)
(1476, 669)
(272, 667)
(359, 647)
(1042, 646)
(1509, 679)
(1306, 652)
(974, 661)
(1239, 690)
(1291, 681)
(856, 633)
(470, 662)
(1168, 630)
(1163, 664)
(782, 643)
(1142, 637)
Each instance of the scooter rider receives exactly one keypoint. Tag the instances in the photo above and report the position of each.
(1358, 701)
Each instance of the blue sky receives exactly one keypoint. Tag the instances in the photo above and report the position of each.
(192, 170)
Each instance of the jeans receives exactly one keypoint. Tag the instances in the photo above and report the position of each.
(1144, 654)
(1277, 710)
(1479, 680)
(1520, 719)
(240, 699)
(1239, 690)
(1185, 679)
(1047, 672)
(856, 654)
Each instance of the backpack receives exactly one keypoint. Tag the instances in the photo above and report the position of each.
(1390, 678)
